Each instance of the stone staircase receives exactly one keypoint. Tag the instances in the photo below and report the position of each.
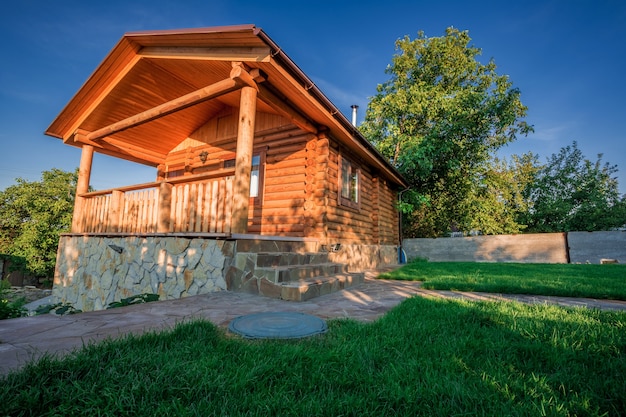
(294, 276)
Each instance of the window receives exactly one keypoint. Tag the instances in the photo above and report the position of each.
(349, 184)
(256, 175)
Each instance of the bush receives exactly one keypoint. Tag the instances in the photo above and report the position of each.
(10, 309)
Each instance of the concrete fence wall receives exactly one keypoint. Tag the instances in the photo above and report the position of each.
(573, 247)
(593, 247)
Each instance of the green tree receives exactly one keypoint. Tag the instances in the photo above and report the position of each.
(572, 193)
(439, 119)
(499, 200)
(33, 215)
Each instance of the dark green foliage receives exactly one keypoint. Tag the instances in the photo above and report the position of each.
(572, 193)
(439, 119)
(135, 299)
(10, 309)
(33, 215)
(59, 308)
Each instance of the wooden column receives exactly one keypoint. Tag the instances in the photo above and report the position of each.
(82, 187)
(243, 161)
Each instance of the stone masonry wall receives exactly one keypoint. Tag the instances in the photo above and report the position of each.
(92, 272)
(364, 257)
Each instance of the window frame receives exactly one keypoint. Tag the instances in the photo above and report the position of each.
(261, 153)
(354, 185)
(258, 199)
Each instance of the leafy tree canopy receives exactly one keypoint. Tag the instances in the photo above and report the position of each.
(499, 200)
(439, 119)
(33, 215)
(572, 193)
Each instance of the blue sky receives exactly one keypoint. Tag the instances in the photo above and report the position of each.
(568, 58)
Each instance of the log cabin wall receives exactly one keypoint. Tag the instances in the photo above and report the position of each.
(299, 189)
(373, 220)
(279, 208)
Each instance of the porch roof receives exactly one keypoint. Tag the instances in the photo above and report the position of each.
(155, 88)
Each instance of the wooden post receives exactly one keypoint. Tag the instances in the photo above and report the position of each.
(116, 211)
(165, 207)
(243, 160)
(82, 187)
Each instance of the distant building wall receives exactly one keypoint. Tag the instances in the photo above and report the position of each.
(573, 247)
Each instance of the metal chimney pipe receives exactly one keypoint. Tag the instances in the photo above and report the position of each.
(354, 108)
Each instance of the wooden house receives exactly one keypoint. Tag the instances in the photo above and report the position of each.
(261, 183)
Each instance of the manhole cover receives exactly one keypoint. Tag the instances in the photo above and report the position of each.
(279, 325)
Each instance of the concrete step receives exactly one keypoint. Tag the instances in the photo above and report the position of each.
(309, 288)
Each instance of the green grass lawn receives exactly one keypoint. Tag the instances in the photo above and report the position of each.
(565, 280)
(430, 357)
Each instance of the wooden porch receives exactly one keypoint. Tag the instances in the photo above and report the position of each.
(199, 204)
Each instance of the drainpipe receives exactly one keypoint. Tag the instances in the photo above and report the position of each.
(401, 253)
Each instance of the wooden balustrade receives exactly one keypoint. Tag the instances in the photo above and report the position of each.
(192, 204)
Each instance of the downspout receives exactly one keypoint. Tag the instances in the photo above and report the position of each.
(401, 253)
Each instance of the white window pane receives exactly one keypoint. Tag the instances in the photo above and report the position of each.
(254, 183)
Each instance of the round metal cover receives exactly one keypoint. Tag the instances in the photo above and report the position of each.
(277, 325)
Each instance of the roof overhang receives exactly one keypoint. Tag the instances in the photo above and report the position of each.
(155, 88)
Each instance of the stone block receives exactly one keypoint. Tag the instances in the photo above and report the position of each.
(269, 289)
(250, 285)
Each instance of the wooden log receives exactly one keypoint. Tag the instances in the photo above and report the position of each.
(245, 142)
(283, 188)
(296, 148)
(228, 204)
(117, 199)
(164, 207)
(285, 109)
(289, 204)
(84, 175)
(236, 80)
(286, 196)
(279, 177)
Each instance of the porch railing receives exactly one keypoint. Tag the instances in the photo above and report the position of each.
(194, 204)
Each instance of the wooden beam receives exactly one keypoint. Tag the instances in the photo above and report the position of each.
(256, 54)
(238, 78)
(286, 110)
(243, 160)
(241, 76)
(118, 148)
(110, 85)
(81, 137)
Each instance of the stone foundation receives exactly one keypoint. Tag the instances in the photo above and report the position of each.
(364, 257)
(94, 271)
